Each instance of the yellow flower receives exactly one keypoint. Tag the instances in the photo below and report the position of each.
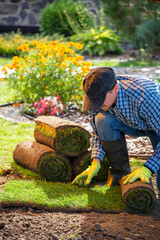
(15, 59)
(71, 44)
(79, 46)
(63, 64)
(23, 47)
(35, 42)
(79, 58)
(53, 43)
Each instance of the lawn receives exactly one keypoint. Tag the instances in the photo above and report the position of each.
(128, 63)
(4, 61)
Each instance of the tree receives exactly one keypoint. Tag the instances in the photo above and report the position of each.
(128, 16)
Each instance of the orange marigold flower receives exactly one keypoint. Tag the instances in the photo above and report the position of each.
(16, 104)
(79, 46)
(79, 58)
(3, 69)
(35, 42)
(53, 43)
(71, 44)
(15, 59)
(63, 64)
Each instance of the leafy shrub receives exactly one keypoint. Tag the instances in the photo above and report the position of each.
(47, 70)
(65, 17)
(132, 18)
(9, 44)
(147, 34)
(98, 41)
(10, 41)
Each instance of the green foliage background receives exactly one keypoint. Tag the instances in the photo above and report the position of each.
(137, 21)
(65, 17)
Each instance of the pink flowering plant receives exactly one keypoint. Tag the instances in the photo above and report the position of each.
(49, 106)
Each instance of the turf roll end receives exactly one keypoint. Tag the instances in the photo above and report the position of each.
(138, 197)
(64, 136)
(45, 161)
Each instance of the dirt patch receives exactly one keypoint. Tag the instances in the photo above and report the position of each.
(29, 224)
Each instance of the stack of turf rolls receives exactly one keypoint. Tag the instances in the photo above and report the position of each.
(59, 152)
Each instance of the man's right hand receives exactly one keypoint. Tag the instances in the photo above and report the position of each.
(84, 179)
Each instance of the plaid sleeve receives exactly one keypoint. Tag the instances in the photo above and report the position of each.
(96, 146)
(151, 113)
(153, 163)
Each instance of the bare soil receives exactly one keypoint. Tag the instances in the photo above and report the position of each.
(30, 223)
(26, 223)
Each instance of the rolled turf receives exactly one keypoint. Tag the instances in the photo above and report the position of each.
(81, 163)
(138, 197)
(62, 135)
(51, 165)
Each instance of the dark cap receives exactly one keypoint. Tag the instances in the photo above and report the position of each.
(96, 84)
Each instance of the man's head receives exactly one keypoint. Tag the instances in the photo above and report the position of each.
(96, 84)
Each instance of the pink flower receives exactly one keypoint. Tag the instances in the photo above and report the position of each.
(49, 105)
(42, 101)
(41, 110)
(52, 112)
(36, 104)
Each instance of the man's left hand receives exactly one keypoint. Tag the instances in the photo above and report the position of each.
(143, 173)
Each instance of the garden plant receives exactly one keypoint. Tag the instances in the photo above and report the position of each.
(48, 70)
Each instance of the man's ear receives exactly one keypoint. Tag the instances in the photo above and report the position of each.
(116, 88)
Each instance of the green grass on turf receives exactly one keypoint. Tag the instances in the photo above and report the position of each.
(64, 196)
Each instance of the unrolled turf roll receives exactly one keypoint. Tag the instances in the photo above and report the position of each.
(81, 163)
(43, 160)
(62, 135)
(138, 197)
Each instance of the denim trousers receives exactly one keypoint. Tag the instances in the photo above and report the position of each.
(109, 128)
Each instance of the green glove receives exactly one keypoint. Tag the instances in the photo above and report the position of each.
(143, 173)
(86, 176)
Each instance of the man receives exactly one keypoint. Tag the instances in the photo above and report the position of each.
(120, 105)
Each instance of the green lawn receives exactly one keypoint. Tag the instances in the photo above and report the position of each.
(7, 94)
(4, 61)
(128, 63)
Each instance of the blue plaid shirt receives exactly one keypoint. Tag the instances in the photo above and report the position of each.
(137, 106)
